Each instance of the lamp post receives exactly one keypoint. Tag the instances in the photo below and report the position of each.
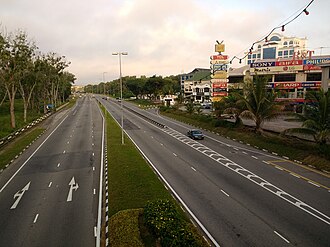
(104, 83)
(121, 93)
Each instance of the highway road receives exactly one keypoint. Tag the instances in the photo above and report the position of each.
(237, 194)
(49, 196)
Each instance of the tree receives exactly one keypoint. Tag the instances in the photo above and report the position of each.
(15, 57)
(316, 117)
(190, 107)
(259, 101)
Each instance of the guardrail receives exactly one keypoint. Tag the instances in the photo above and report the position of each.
(18, 132)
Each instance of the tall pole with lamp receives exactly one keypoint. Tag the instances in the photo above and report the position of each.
(121, 93)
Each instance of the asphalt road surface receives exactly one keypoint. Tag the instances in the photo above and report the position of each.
(49, 196)
(237, 194)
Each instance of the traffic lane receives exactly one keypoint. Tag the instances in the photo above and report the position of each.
(227, 221)
(259, 163)
(228, 179)
(26, 171)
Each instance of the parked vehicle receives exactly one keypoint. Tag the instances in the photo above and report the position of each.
(195, 134)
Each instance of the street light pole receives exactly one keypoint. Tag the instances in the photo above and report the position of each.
(121, 94)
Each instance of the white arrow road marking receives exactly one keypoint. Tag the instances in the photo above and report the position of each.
(73, 186)
(19, 195)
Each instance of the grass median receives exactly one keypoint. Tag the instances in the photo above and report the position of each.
(132, 185)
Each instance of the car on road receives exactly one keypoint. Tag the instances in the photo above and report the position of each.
(195, 134)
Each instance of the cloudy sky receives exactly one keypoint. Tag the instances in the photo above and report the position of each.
(162, 37)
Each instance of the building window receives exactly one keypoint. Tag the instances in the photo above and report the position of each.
(249, 56)
(291, 43)
(269, 53)
(285, 43)
(249, 62)
(314, 77)
(291, 52)
(285, 77)
(259, 47)
(258, 55)
(254, 55)
(286, 53)
(280, 53)
(206, 89)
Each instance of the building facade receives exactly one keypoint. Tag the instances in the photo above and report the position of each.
(277, 46)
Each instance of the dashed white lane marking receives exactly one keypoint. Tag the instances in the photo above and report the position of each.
(225, 193)
(231, 165)
(265, 162)
(68, 142)
(277, 167)
(175, 154)
(50, 184)
(152, 137)
(58, 165)
(254, 157)
(282, 237)
(295, 175)
(161, 144)
(94, 192)
(64, 151)
(313, 184)
(95, 231)
(244, 152)
(93, 154)
(93, 168)
(35, 218)
(193, 168)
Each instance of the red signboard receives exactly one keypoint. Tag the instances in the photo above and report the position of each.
(219, 85)
(219, 57)
(219, 94)
(311, 67)
(287, 85)
(289, 63)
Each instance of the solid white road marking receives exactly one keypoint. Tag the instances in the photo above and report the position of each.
(19, 195)
(225, 193)
(293, 174)
(12, 177)
(282, 237)
(35, 218)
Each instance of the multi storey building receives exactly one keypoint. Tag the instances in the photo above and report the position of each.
(277, 46)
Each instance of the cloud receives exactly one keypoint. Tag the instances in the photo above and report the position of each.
(161, 37)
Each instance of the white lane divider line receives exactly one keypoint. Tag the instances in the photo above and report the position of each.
(64, 151)
(254, 157)
(35, 218)
(50, 184)
(193, 168)
(175, 154)
(225, 193)
(244, 152)
(95, 231)
(58, 165)
(295, 175)
(314, 184)
(282, 237)
(93, 168)
(94, 192)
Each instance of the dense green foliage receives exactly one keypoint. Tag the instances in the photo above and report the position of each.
(38, 79)
(124, 229)
(163, 219)
(315, 117)
(151, 87)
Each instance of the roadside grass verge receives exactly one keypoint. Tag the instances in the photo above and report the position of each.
(5, 128)
(132, 184)
(308, 153)
(9, 152)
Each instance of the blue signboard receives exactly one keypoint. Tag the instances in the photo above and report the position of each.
(316, 61)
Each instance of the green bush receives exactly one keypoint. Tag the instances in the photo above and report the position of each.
(124, 228)
(163, 219)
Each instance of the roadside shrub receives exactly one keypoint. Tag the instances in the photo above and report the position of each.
(124, 229)
(163, 219)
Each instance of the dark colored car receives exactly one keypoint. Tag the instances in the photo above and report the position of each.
(195, 134)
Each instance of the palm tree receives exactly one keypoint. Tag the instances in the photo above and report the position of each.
(316, 117)
(260, 102)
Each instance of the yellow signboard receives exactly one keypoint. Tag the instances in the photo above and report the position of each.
(219, 47)
(216, 99)
(220, 75)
